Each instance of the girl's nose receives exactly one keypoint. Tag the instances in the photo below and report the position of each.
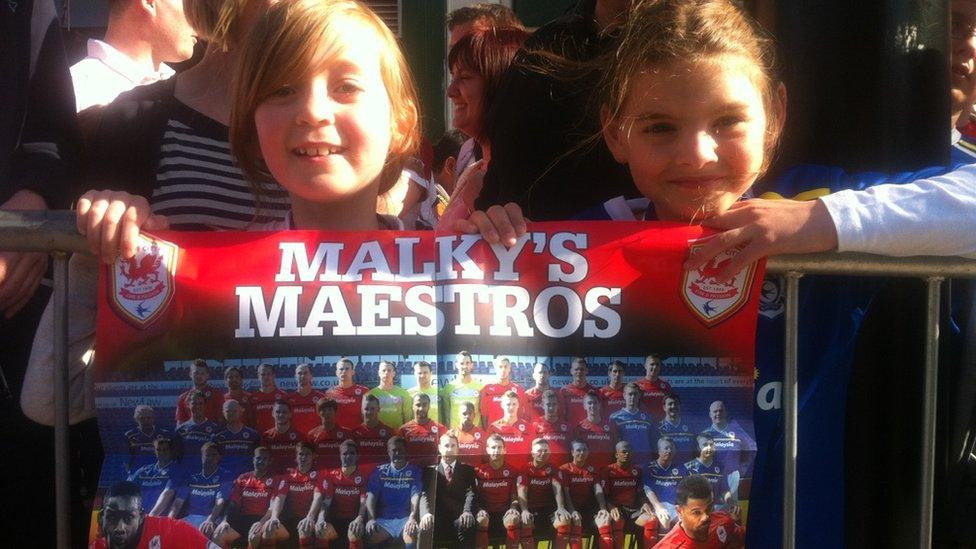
(318, 107)
(698, 149)
(452, 88)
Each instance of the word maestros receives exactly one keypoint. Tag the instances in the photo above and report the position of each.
(413, 298)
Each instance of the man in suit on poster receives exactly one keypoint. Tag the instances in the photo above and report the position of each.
(447, 503)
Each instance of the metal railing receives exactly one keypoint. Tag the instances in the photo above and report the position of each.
(54, 232)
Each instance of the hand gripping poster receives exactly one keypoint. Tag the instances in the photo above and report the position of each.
(296, 387)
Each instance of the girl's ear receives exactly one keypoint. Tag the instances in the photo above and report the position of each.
(149, 6)
(612, 134)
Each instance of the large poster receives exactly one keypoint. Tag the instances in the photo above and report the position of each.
(210, 345)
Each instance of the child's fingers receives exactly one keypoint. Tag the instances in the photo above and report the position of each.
(111, 231)
(742, 215)
(132, 221)
(82, 207)
(713, 246)
(499, 217)
(485, 226)
(518, 220)
(93, 225)
(156, 222)
(464, 226)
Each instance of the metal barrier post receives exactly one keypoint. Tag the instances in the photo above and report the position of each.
(62, 471)
(929, 394)
(790, 407)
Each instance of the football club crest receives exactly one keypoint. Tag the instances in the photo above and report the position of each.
(722, 534)
(712, 297)
(155, 543)
(143, 285)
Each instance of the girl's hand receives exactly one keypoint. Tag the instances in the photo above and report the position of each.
(499, 224)
(112, 219)
(767, 227)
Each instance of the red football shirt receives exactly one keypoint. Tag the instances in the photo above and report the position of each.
(298, 489)
(613, 399)
(538, 484)
(559, 436)
(723, 533)
(163, 533)
(422, 440)
(491, 401)
(282, 446)
(471, 445)
(600, 439)
(261, 408)
(304, 418)
(518, 441)
(345, 492)
(573, 401)
(350, 400)
(653, 400)
(372, 444)
(578, 483)
(251, 494)
(622, 486)
(213, 409)
(326, 444)
(533, 404)
(496, 488)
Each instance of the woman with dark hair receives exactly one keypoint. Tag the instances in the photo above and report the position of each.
(477, 63)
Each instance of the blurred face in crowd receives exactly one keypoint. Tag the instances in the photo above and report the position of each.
(672, 408)
(465, 365)
(632, 397)
(262, 458)
(665, 450)
(694, 517)
(706, 448)
(423, 374)
(281, 413)
(348, 455)
(233, 379)
(174, 38)
(540, 374)
(397, 451)
(386, 373)
(164, 451)
(210, 457)
(511, 406)
(495, 448)
(580, 453)
(122, 521)
(145, 418)
(197, 406)
(591, 404)
(716, 412)
(503, 369)
(232, 412)
(304, 457)
(623, 452)
(200, 375)
(327, 414)
(467, 414)
(466, 92)
(652, 367)
(448, 447)
(540, 453)
(267, 376)
(345, 372)
(303, 375)
(550, 406)
(615, 374)
(963, 54)
(421, 408)
(578, 371)
(371, 411)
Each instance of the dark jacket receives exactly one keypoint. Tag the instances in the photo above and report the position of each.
(545, 130)
(447, 500)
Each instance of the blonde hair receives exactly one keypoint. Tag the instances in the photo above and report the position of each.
(660, 32)
(214, 20)
(291, 43)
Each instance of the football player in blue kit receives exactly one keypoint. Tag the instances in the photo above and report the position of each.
(635, 425)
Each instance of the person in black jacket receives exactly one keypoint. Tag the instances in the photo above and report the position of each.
(544, 127)
(447, 505)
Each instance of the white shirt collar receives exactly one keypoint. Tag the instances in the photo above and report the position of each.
(124, 65)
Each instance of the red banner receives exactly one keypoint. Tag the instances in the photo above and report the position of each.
(613, 294)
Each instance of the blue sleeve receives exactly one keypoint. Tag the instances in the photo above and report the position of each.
(814, 177)
(373, 484)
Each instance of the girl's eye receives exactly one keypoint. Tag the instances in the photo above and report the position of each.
(729, 121)
(659, 128)
(347, 89)
(283, 91)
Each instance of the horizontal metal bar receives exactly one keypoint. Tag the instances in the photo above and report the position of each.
(872, 265)
(40, 231)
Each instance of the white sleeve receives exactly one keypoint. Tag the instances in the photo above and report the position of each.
(934, 216)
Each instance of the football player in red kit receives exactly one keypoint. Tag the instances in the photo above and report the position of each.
(698, 526)
(291, 508)
(303, 400)
(264, 399)
(621, 493)
(598, 433)
(234, 380)
(371, 435)
(471, 438)
(574, 393)
(281, 439)
(122, 524)
(339, 496)
(654, 388)
(496, 488)
(540, 497)
(200, 374)
(514, 430)
(348, 395)
(327, 437)
(578, 479)
(552, 428)
(250, 503)
(533, 397)
(492, 408)
(613, 392)
(422, 433)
